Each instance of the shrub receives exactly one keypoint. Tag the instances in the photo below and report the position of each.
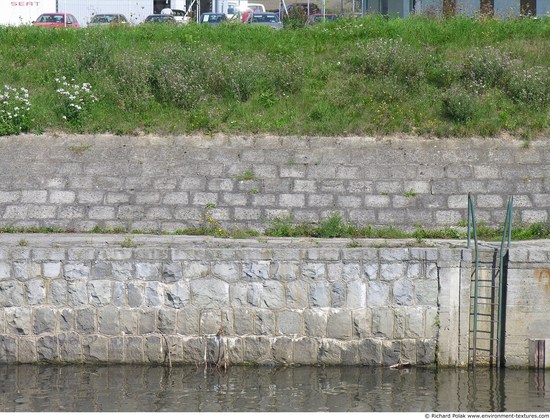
(132, 76)
(75, 100)
(383, 57)
(486, 66)
(14, 111)
(531, 85)
(459, 104)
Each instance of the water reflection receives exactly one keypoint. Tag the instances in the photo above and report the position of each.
(305, 389)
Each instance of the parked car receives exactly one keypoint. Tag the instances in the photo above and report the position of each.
(320, 18)
(213, 18)
(56, 20)
(266, 19)
(160, 19)
(179, 15)
(108, 19)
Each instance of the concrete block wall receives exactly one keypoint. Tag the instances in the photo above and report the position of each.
(149, 183)
(89, 299)
(528, 299)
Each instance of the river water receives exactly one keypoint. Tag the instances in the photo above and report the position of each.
(124, 388)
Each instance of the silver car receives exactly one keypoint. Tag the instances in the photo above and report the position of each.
(108, 19)
(267, 19)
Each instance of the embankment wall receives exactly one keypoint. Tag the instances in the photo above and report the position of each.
(171, 183)
(109, 298)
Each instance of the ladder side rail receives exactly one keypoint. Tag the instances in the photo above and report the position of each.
(472, 218)
(506, 234)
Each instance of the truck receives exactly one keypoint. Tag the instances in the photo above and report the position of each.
(233, 8)
(14, 13)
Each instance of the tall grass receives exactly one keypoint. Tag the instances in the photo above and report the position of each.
(458, 76)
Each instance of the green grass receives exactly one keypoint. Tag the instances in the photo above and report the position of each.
(370, 76)
(332, 227)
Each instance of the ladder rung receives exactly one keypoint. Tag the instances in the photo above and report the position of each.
(489, 339)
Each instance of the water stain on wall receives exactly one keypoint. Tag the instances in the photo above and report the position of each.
(543, 278)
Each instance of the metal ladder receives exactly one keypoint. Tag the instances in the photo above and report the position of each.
(488, 293)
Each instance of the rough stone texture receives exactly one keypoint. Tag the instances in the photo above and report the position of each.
(331, 304)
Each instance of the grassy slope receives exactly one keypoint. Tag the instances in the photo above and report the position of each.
(342, 78)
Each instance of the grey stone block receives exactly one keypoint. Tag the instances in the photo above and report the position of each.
(370, 352)
(244, 321)
(371, 270)
(392, 271)
(154, 294)
(129, 321)
(166, 321)
(283, 350)
(315, 323)
(47, 348)
(362, 323)
(100, 292)
(330, 352)
(177, 295)
(95, 348)
(297, 295)
(66, 319)
(36, 292)
(194, 270)
(76, 271)
(210, 293)
(264, 323)
(23, 270)
(27, 349)
(86, 320)
(339, 324)
(148, 271)
(378, 293)
(290, 323)
(382, 323)
(258, 270)
(116, 349)
(356, 294)
(425, 351)
(18, 320)
(122, 271)
(109, 322)
(70, 348)
(153, 349)
(403, 292)
(188, 321)
(44, 320)
(193, 350)
(147, 321)
(172, 272)
(391, 352)
(305, 350)
(273, 295)
(134, 349)
(57, 293)
(135, 294)
(338, 294)
(119, 294)
(320, 294)
(257, 350)
(8, 350)
(11, 294)
(226, 271)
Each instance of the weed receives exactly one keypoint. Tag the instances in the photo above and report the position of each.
(79, 149)
(247, 175)
(128, 242)
(14, 111)
(334, 226)
(74, 100)
(410, 193)
(23, 243)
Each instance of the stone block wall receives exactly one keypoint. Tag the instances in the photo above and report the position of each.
(171, 183)
(90, 299)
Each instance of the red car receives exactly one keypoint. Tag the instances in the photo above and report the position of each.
(56, 20)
